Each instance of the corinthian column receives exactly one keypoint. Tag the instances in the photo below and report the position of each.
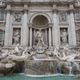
(8, 27)
(30, 37)
(71, 29)
(49, 37)
(24, 29)
(55, 28)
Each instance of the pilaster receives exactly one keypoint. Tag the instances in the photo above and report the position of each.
(8, 36)
(50, 37)
(55, 28)
(24, 29)
(30, 37)
(71, 29)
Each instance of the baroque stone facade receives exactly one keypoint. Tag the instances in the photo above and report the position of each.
(57, 20)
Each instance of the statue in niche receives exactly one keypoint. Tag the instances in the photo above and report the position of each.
(40, 45)
(39, 38)
(17, 17)
(16, 37)
(64, 35)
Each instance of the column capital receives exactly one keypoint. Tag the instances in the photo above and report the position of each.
(71, 8)
(30, 24)
(54, 8)
(8, 8)
(50, 25)
(25, 9)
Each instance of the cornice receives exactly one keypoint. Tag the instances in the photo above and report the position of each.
(43, 2)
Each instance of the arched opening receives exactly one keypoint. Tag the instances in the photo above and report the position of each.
(40, 21)
(40, 24)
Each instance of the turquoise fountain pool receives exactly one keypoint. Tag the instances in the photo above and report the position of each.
(23, 77)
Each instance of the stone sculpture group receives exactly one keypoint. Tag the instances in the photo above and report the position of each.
(8, 57)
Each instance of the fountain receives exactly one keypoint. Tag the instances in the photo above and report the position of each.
(39, 59)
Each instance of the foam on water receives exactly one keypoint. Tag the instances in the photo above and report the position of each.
(47, 75)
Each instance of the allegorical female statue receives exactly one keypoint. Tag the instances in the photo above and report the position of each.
(64, 36)
(16, 37)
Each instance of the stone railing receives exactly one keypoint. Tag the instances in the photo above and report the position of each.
(40, 0)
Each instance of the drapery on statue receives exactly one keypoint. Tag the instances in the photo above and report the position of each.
(64, 36)
(16, 37)
(39, 38)
(40, 46)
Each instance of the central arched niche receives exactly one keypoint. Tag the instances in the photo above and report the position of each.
(40, 21)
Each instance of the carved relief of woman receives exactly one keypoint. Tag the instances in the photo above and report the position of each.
(17, 17)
